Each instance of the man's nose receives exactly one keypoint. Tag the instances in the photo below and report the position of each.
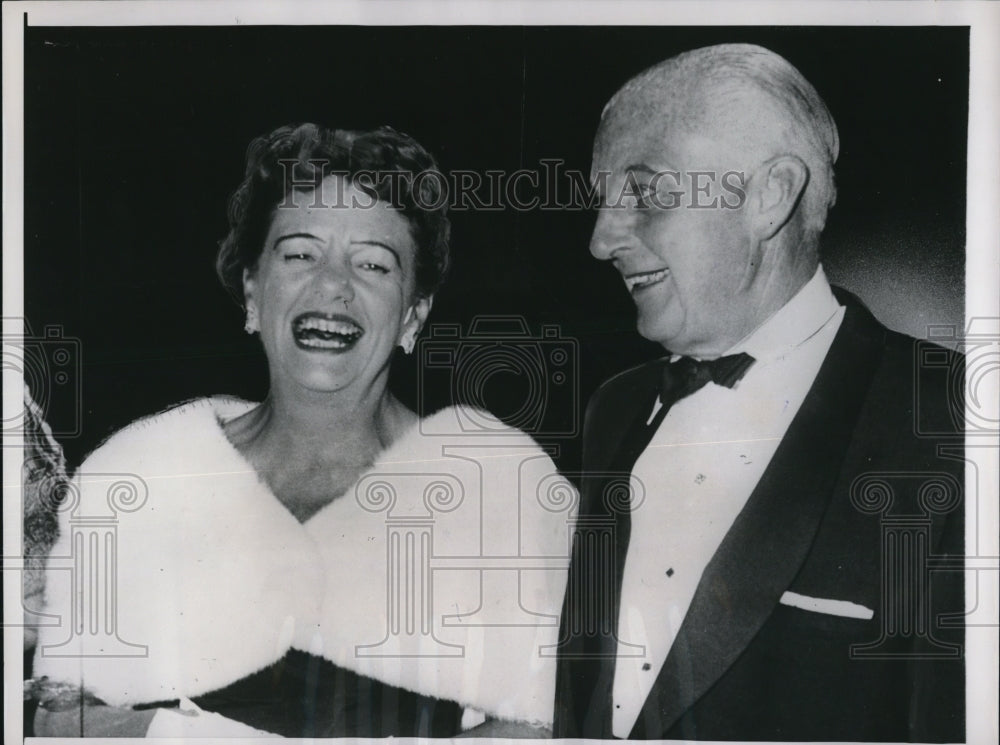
(612, 233)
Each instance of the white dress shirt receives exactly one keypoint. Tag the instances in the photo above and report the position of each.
(696, 475)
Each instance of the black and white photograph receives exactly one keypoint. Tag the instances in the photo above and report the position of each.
(588, 371)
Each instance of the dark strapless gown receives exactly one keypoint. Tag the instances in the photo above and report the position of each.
(302, 695)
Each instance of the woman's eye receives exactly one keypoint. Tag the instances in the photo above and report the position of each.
(298, 257)
(374, 267)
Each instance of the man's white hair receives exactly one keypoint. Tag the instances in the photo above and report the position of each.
(748, 94)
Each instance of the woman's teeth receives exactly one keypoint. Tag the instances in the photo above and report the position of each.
(321, 343)
(328, 325)
(325, 333)
(640, 281)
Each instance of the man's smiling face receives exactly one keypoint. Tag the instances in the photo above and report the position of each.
(686, 267)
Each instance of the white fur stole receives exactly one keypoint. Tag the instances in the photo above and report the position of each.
(442, 571)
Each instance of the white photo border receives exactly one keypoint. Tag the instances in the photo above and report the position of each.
(983, 187)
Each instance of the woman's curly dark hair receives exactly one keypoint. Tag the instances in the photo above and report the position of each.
(298, 157)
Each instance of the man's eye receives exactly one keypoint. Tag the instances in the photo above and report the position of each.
(643, 196)
(374, 267)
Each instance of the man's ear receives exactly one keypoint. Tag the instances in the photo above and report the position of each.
(778, 186)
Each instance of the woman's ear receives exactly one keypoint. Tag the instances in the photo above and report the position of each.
(421, 309)
(249, 285)
(778, 186)
(416, 317)
(252, 324)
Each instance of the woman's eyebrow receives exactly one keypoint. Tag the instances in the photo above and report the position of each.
(289, 236)
(380, 244)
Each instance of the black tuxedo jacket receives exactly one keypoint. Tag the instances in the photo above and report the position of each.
(863, 501)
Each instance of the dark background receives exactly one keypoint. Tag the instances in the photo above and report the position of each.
(134, 138)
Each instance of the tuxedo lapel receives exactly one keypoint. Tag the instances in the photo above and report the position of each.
(588, 644)
(763, 551)
(626, 399)
(628, 414)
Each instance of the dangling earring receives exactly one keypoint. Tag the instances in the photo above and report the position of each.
(408, 341)
(251, 326)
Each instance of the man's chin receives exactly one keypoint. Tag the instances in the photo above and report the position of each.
(657, 333)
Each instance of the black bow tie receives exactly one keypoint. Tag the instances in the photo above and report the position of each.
(679, 379)
(684, 376)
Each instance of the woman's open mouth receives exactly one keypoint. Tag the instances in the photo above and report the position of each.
(323, 332)
(642, 280)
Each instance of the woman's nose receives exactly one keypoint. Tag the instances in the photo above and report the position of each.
(334, 279)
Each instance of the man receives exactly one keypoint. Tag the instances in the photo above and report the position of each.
(767, 577)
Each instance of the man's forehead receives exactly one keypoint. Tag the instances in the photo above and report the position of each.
(667, 139)
(624, 145)
(637, 117)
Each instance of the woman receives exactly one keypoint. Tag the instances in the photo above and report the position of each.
(274, 565)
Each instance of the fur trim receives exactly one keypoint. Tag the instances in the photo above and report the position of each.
(44, 480)
(218, 580)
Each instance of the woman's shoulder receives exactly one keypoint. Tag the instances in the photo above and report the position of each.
(448, 433)
(192, 424)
